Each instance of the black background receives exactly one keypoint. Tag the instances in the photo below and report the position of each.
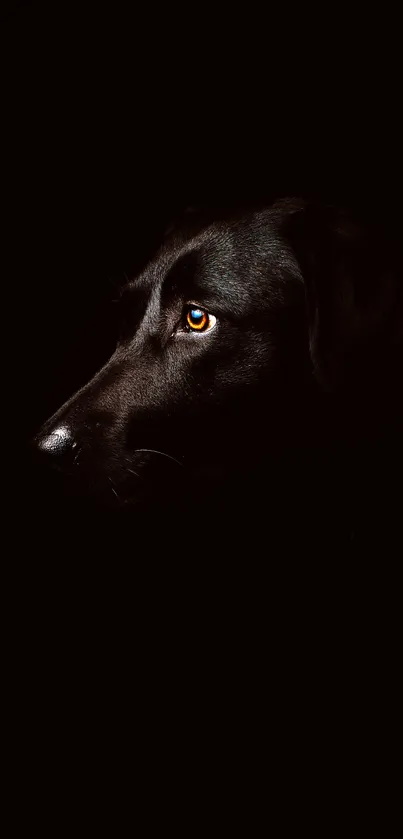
(98, 166)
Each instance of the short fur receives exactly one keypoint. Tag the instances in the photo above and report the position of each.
(305, 356)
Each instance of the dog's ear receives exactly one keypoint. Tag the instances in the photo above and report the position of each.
(351, 289)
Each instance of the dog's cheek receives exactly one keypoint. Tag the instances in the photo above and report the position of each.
(239, 363)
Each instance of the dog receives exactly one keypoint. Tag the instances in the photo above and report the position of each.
(252, 339)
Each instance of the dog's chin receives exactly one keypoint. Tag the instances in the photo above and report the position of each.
(157, 486)
(129, 482)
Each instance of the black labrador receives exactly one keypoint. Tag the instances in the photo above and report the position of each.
(252, 340)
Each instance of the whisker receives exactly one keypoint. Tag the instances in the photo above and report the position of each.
(113, 488)
(77, 455)
(164, 454)
(132, 471)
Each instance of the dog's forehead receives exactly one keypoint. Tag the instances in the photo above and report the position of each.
(209, 248)
(178, 250)
(233, 263)
(200, 246)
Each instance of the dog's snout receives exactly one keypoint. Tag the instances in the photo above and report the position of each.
(58, 442)
(75, 439)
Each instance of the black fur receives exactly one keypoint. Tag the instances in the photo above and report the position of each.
(305, 357)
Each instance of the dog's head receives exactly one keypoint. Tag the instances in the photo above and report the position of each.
(225, 337)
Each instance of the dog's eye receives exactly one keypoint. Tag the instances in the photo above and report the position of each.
(198, 320)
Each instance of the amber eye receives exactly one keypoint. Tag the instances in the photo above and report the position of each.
(198, 320)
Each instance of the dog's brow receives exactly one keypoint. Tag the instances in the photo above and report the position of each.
(181, 273)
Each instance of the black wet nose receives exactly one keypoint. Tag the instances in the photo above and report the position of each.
(58, 442)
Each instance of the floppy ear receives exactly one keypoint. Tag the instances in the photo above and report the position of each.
(353, 297)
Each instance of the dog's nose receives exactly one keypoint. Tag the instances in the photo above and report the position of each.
(58, 442)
